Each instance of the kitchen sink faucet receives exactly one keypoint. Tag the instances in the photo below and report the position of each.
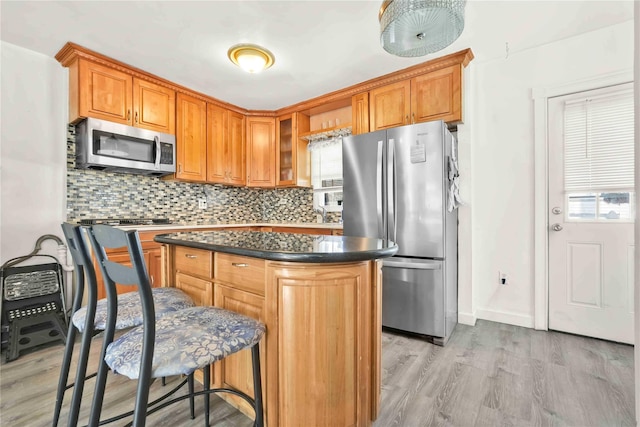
(322, 211)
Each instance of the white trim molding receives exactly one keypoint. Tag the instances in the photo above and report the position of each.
(467, 319)
(508, 317)
(540, 98)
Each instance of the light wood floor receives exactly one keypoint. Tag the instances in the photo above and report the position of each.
(488, 375)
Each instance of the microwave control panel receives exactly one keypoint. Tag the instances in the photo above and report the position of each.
(166, 153)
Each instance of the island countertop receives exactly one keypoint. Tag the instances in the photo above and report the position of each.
(284, 246)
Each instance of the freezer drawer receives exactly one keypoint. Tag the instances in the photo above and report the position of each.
(413, 295)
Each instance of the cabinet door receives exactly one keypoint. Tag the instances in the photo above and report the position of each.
(261, 159)
(235, 371)
(154, 267)
(360, 113)
(285, 150)
(437, 95)
(389, 106)
(104, 93)
(201, 291)
(217, 155)
(154, 107)
(333, 307)
(191, 138)
(236, 161)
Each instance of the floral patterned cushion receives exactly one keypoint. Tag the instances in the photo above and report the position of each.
(166, 300)
(185, 341)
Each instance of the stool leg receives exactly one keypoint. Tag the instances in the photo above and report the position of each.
(64, 373)
(207, 384)
(192, 407)
(81, 372)
(257, 386)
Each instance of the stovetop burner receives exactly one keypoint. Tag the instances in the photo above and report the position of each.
(126, 221)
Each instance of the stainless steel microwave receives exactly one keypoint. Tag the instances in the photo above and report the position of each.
(113, 147)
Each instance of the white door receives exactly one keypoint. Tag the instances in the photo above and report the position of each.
(591, 213)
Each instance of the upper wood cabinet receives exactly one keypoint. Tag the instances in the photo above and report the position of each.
(191, 138)
(293, 161)
(225, 146)
(432, 96)
(437, 95)
(390, 106)
(360, 113)
(106, 93)
(261, 150)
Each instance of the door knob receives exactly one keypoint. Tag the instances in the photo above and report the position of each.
(556, 210)
(556, 227)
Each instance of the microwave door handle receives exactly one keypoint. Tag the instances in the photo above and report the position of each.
(156, 141)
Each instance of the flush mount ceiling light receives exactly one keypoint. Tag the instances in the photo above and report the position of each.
(250, 57)
(419, 27)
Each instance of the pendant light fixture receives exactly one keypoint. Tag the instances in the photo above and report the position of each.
(250, 57)
(419, 27)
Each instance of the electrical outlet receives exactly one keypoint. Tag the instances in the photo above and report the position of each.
(502, 277)
(202, 203)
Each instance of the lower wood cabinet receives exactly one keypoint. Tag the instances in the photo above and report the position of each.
(320, 357)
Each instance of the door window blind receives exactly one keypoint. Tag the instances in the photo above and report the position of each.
(598, 142)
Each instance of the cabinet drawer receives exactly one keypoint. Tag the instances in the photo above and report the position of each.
(241, 272)
(196, 262)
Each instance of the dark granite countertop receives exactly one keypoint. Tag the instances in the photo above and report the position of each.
(284, 246)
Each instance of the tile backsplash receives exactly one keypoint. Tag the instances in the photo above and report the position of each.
(98, 194)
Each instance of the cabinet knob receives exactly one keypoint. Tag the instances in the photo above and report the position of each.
(406, 119)
(128, 114)
(413, 118)
(136, 119)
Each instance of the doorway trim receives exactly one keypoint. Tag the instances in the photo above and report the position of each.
(540, 97)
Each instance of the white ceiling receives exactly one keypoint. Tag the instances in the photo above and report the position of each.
(320, 46)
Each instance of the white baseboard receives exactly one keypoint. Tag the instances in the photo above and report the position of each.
(467, 319)
(507, 317)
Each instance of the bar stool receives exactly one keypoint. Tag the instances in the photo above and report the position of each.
(129, 314)
(178, 343)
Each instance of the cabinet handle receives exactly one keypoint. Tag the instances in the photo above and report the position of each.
(240, 264)
(191, 256)
(136, 119)
(413, 118)
(128, 114)
(151, 280)
(407, 119)
(179, 167)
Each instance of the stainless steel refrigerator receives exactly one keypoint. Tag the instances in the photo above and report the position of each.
(395, 187)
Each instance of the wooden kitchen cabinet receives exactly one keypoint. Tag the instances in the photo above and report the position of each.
(334, 307)
(261, 152)
(431, 96)
(235, 371)
(437, 95)
(191, 138)
(107, 93)
(225, 146)
(360, 113)
(293, 161)
(390, 106)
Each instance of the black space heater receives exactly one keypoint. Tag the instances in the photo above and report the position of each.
(33, 308)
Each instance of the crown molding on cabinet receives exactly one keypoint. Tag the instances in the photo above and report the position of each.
(70, 52)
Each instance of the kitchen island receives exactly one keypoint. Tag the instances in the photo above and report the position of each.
(319, 297)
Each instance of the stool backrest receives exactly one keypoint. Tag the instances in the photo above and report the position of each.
(83, 267)
(105, 237)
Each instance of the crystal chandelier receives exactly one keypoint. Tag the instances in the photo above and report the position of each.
(419, 27)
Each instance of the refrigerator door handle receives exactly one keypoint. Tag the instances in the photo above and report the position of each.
(391, 190)
(381, 225)
(413, 265)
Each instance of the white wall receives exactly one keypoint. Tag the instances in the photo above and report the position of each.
(502, 168)
(34, 110)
